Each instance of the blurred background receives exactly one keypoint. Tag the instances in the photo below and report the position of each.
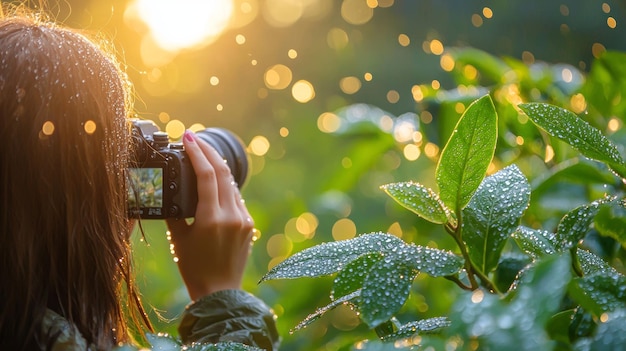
(334, 99)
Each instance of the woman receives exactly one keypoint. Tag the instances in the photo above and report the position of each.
(66, 280)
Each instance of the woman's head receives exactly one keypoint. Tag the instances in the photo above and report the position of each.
(64, 135)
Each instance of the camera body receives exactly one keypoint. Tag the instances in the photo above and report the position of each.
(162, 182)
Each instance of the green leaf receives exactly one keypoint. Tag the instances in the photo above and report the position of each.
(535, 242)
(599, 293)
(329, 258)
(494, 323)
(593, 264)
(565, 125)
(165, 342)
(352, 276)
(574, 225)
(508, 269)
(434, 262)
(542, 287)
(424, 326)
(347, 299)
(582, 324)
(558, 326)
(420, 200)
(611, 221)
(220, 346)
(467, 154)
(610, 334)
(385, 290)
(493, 214)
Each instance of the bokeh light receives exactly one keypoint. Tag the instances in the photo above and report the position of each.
(436, 47)
(344, 229)
(90, 127)
(259, 145)
(303, 91)
(337, 38)
(47, 128)
(356, 11)
(350, 85)
(278, 77)
(175, 129)
(328, 122)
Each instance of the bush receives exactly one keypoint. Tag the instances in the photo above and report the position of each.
(538, 264)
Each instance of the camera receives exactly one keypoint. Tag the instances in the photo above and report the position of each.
(161, 179)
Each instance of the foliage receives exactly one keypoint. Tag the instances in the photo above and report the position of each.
(165, 342)
(530, 276)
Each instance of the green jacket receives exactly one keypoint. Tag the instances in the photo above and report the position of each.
(229, 316)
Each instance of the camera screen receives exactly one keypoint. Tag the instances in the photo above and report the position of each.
(146, 188)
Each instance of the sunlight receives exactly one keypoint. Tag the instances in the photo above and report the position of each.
(188, 24)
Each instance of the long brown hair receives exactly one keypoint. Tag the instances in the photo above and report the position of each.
(64, 141)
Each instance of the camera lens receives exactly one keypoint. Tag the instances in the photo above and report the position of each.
(231, 148)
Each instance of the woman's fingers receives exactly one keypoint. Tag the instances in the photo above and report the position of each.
(218, 195)
(227, 188)
(205, 174)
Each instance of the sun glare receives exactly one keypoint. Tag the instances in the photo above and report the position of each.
(185, 23)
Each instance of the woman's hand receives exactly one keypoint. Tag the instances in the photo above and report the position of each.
(213, 250)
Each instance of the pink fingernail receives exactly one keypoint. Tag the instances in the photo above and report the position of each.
(189, 136)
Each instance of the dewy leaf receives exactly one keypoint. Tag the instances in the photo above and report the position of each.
(347, 299)
(542, 287)
(424, 326)
(593, 264)
(351, 277)
(329, 258)
(434, 262)
(610, 334)
(420, 200)
(467, 154)
(220, 346)
(600, 293)
(165, 342)
(611, 221)
(574, 225)
(493, 214)
(493, 323)
(565, 125)
(385, 290)
(535, 242)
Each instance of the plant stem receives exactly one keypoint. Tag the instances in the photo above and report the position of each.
(487, 282)
(458, 282)
(469, 268)
(456, 234)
